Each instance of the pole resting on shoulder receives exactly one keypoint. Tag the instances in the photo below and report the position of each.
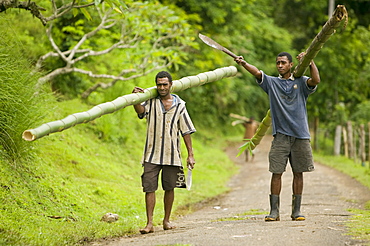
(124, 101)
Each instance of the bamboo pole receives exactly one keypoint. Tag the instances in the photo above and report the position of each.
(124, 101)
(257, 137)
(318, 42)
(327, 31)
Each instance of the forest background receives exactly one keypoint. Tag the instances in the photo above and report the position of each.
(55, 190)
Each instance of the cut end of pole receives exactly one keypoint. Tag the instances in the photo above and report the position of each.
(28, 136)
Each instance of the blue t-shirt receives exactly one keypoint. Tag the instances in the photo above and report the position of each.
(288, 98)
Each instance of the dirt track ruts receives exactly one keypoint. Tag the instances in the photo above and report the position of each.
(326, 197)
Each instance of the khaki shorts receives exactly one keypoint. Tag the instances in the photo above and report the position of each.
(172, 177)
(297, 151)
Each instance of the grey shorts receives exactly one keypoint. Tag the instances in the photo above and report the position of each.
(171, 177)
(297, 151)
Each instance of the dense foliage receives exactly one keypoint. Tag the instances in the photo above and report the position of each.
(258, 30)
(20, 106)
(74, 174)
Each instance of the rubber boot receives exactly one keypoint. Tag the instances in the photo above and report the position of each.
(274, 209)
(296, 208)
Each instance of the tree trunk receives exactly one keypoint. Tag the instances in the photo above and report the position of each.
(345, 142)
(351, 148)
(316, 133)
(362, 145)
(368, 154)
(124, 101)
(337, 140)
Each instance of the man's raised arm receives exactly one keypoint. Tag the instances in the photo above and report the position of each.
(250, 68)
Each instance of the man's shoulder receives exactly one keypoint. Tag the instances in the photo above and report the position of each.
(178, 99)
(302, 78)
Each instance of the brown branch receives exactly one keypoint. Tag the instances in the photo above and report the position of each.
(35, 9)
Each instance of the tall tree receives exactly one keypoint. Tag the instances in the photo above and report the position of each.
(241, 26)
(100, 45)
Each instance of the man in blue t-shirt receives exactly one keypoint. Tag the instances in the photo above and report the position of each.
(288, 97)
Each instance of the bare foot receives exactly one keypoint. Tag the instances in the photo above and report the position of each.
(147, 229)
(168, 226)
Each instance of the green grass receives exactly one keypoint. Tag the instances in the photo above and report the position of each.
(78, 175)
(347, 166)
(72, 178)
(359, 224)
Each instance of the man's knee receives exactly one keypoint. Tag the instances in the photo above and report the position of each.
(276, 176)
(298, 175)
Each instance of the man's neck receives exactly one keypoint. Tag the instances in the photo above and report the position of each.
(287, 76)
(167, 98)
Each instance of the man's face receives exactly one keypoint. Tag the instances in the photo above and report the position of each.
(283, 65)
(163, 86)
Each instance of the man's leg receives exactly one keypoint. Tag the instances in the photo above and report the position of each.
(149, 204)
(297, 197)
(169, 196)
(275, 186)
(275, 189)
(297, 183)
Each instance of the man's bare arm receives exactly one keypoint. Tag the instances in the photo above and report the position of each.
(189, 147)
(138, 107)
(250, 68)
(315, 75)
(314, 71)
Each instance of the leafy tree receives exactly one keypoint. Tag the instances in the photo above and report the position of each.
(155, 41)
(362, 113)
(56, 10)
(105, 46)
(242, 27)
(344, 64)
(301, 19)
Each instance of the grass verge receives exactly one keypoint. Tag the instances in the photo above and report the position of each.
(78, 175)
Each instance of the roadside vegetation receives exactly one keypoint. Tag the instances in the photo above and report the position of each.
(53, 191)
(59, 197)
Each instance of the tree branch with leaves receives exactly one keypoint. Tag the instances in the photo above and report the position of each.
(155, 41)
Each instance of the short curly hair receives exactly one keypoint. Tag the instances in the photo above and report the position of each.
(285, 54)
(163, 74)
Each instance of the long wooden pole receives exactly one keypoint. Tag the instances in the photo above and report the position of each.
(318, 42)
(124, 101)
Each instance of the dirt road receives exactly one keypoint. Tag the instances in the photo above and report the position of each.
(326, 197)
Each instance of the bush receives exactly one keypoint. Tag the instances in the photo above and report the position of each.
(20, 106)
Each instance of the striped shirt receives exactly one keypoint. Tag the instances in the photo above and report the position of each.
(162, 145)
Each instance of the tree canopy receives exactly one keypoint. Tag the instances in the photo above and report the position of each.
(97, 45)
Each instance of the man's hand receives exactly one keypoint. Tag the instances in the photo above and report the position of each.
(138, 107)
(301, 55)
(239, 60)
(138, 90)
(190, 162)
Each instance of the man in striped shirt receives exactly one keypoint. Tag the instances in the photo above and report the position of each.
(167, 118)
